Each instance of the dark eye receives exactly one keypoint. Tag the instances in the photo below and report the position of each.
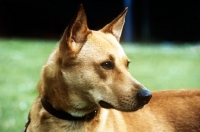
(108, 65)
(128, 63)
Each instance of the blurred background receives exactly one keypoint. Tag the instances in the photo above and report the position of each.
(161, 38)
(157, 21)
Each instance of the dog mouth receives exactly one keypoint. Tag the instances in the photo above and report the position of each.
(105, 104)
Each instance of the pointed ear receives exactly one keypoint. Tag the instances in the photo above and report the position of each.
(116, 26)
(75, 34)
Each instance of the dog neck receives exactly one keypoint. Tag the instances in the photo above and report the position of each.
(64, 115)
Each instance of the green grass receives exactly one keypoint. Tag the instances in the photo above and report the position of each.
(157, 67)
(165, 67)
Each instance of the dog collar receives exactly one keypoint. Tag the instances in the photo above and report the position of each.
(64, 115)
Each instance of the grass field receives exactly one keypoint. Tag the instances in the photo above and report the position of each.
(157, 67)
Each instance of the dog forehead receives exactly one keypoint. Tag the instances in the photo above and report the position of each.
(105, 42)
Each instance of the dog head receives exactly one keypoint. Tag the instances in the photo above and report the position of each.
(89, 70)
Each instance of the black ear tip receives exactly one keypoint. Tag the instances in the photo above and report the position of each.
(125, 10)
(81, 7)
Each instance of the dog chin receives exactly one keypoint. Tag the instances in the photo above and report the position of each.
(107, 105)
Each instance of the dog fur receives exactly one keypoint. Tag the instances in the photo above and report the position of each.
(89, 66)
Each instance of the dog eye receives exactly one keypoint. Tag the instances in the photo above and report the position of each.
(128, 63)
(108, 65)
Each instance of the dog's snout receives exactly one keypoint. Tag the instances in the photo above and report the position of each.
(143, 97)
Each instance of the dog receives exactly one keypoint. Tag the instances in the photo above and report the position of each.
(85, 86)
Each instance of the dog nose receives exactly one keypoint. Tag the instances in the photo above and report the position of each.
(143, 97)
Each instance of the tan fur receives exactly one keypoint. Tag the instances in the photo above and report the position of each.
(74, 81)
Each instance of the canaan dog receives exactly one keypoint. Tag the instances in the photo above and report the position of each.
(85, 86)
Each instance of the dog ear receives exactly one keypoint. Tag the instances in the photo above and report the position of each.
(116, 26)
(75, 34)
